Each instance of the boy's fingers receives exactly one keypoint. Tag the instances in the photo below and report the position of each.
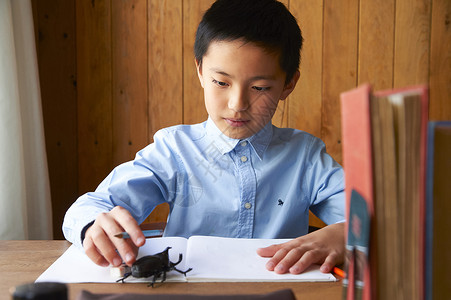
(277, 252)
(97, 242)
(275, 260)
(103, 232)
(129, 224)
(308, 258)
(268, 251)
(297, 255)
(127, 248)
(288, 260)
(329, 263)
(134, 248)
(93, 254)
(123, 246)
(103, 247)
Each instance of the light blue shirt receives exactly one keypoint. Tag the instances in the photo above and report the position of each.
(260, 187)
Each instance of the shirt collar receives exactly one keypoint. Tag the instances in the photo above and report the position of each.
(261, 140)
(225, 144)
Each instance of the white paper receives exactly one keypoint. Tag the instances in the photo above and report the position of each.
(75, 267)
(229, 259)
(212, 259)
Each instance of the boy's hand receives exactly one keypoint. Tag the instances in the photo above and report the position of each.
(324, 246)
(100, 244)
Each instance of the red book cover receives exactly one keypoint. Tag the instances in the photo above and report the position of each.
(358, 167)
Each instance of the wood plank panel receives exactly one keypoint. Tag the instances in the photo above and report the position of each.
(129, 74)
(165, 73)
(376, 36)
(339, 66)
(305, 101)
(440, 61)
(375, 61)
(94, 92)
(165, 64)
(412, 37)
(193, 97)
(55, 28)
(411, 66)
(280, 118)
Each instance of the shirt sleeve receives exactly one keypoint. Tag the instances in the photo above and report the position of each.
(327, 185)
(138, 186)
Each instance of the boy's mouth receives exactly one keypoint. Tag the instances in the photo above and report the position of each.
(236, 122)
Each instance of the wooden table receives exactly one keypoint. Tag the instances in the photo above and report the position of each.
(23, 261)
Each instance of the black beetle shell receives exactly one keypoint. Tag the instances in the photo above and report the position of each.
(147, 266)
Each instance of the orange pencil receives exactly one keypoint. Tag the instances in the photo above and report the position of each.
(339, 272)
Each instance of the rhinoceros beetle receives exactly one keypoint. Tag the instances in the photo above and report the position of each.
(154, 265)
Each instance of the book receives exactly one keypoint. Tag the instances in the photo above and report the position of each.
(438, 206)
(358, 166)
(384, 138)
(211, 258)
(357, 246)
(411, 119)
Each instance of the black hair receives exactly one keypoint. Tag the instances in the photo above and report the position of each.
(267, 23)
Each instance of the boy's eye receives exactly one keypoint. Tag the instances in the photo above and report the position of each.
(220, 83)
(260, 88)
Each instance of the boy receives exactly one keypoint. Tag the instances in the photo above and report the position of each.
(234, 175)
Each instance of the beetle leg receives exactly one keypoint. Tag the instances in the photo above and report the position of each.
(182, 272)
(153, 280)
(125, 276)
(155, 277)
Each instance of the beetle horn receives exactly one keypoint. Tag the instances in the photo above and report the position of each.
(180, 259)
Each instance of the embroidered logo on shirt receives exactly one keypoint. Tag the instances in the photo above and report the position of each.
(279, 202)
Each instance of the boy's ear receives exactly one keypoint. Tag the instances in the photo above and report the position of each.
(199, 72)
(289, 87)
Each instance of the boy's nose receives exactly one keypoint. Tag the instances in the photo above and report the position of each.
(238, 101)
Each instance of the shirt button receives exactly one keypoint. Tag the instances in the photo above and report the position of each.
(247, 205)
(243, 158)
(244, 143)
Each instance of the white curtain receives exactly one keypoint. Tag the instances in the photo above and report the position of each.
(25, 208)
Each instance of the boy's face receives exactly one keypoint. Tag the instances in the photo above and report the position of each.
(242, 85)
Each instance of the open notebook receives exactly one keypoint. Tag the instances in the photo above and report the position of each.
(211, 259)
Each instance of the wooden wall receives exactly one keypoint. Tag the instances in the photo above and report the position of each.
(115, 71)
